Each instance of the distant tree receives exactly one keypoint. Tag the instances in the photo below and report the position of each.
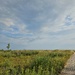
(8, 46)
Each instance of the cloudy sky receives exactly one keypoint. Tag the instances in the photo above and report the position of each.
(37, 24)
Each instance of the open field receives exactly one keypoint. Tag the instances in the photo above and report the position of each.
(33, 62)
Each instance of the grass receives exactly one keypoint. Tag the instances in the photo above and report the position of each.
(33, 62)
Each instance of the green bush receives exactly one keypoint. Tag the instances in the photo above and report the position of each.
(23, 62)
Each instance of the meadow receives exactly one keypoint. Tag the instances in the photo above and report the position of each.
(33, 62)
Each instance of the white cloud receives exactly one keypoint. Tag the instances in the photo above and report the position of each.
(13, 26)
(7, 21)
(50, 16)
(64, 9)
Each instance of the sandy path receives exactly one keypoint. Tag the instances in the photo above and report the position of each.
(69, 69)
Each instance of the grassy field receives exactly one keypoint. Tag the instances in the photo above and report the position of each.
(33, 62)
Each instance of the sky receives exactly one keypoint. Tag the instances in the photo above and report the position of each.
(37, 24)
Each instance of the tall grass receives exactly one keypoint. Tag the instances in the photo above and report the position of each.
(23, 62)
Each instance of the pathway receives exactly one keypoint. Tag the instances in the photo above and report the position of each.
(69, 69)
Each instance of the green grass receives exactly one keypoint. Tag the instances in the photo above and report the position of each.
(33, 62)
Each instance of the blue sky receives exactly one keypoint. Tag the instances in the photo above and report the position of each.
(37, 24)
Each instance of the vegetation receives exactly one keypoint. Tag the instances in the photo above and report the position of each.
(33, 62)
(8, 46)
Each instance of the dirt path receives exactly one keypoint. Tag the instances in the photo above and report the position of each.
(69, 69)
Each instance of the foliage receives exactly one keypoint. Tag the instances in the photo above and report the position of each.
(33, 62)
(8, 46)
